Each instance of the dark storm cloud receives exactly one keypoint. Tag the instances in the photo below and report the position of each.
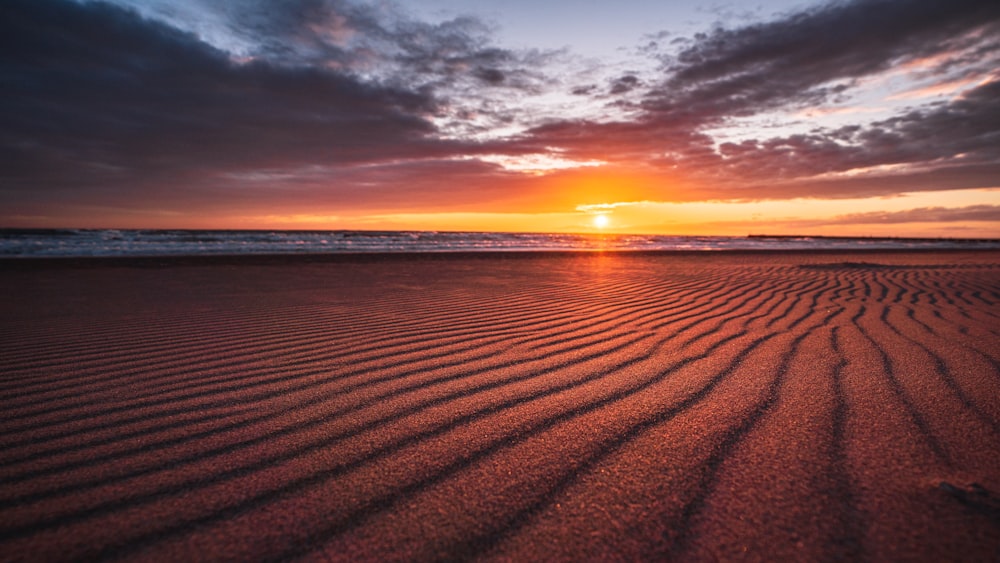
(101, 104)
(961, 137)
(97, 86)
(346, 103)
(372, 39)
(624, 84)
(802, 60)
(813, 56)
(968, 126)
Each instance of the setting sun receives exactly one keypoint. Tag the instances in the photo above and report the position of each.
(601, 221)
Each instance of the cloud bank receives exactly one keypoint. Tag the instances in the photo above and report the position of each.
(165, 107)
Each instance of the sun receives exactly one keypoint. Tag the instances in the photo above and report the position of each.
(601, 221)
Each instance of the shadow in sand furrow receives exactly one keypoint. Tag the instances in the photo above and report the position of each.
(911, 314)
(302, 352)
(174, 355)
(986, 290)
(969, 331)
(753, 295)
(151, 335)
(317, 399)
(624, 311)
(294, 357)
(720, 303)
(280, 320)
(157, 328)
(957, 293)
(852, 522)
(383, 367)
(290, 345)
(836, 289)
(955, 298)
(813, 288)
(975, 497)
(901, 284)
(382, 350)
(151, 446)
(896, 290)
(889, 371)
(174, 359)
(326, 441)
(666, 317)
(398, 376)
(939, 290)
(284, 374)
(299, 484)
(775, 299)
(937, 330)
(521, 400)
(267, 381)
(439, 352)
(511, 524)
(812, 308)
(189, 425)
(678, 532)
(311, 385)
(330, 430)
(941, 369)
(382, 504)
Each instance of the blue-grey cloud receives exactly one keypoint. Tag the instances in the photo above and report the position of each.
(812, 56)
(804, 59)
(103, 106)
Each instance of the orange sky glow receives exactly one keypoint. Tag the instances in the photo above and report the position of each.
(858, 118)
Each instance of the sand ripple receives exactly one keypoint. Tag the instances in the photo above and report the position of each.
(594, 407)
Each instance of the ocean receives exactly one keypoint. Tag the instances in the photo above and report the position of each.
(38, 243)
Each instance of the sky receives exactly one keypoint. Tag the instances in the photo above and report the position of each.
(857, 117)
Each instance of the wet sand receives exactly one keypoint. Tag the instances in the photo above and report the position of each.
(712, 406)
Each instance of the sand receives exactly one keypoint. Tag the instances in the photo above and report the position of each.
(558, 407)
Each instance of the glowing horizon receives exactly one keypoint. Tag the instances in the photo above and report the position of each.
(371, 116)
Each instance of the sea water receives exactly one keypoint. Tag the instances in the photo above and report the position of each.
(115, 242)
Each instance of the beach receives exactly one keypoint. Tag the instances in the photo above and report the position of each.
(701, 406)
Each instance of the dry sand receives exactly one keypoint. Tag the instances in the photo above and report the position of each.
(548, 407)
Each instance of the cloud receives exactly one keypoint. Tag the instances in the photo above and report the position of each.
(477, 85)
(990, 213)
(624, 84)
(947, 88)
(103, 106)
(959, 139)
(95, 80)
(169, 106)
(972, 220)
(814, 55)
(804, 61)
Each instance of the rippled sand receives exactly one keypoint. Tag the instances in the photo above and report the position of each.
(544, 407)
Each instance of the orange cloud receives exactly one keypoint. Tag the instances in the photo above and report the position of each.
(950, 88)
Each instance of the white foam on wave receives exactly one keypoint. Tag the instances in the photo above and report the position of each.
(115, 242)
